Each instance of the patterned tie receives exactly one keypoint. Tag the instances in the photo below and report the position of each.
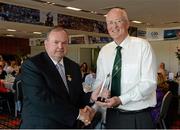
(116, 74)
(61, 70)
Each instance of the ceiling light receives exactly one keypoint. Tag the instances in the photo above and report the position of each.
(134, 21)
(72, 8)
(11, 30)
(148, 24)
(93, 12)
(37, 32)
(9, 35)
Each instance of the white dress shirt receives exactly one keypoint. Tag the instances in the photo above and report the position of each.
(138, 73)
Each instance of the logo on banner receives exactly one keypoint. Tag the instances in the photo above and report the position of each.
(154, 35)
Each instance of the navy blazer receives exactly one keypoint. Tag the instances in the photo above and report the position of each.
(47, 104)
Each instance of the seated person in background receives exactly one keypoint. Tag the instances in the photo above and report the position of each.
(2, 63)
(89, 80)
(162, 84)
(11, 68)
(2, 73)
(84, 70)
(16, 70)
(162, 88)
(162, 70)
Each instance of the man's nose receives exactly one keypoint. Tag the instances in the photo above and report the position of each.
(60, 45)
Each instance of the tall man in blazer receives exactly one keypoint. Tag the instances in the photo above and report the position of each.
(48, 101)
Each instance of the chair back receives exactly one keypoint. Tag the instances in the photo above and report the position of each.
(18, 97)
(164, 109)
(18, 92)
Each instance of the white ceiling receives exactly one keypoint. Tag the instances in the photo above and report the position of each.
(153, 13)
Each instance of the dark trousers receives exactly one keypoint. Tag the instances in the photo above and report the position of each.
(117, 119)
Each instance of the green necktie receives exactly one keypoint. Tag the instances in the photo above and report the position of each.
(116, 74)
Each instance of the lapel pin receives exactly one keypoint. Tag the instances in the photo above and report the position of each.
(69, 77)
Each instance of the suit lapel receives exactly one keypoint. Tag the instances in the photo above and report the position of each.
(55, 81)
(67, 70)
(69, 75)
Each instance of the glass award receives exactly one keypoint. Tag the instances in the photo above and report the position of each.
(106, 85)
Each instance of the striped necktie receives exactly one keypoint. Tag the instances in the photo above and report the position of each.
(116, 74)
(61, 70)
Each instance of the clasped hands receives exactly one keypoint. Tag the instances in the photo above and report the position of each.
(86, 115)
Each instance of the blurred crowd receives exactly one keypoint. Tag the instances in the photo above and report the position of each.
(10, 67)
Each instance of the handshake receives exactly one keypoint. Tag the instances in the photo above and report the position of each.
(86, 115)
(102, 98)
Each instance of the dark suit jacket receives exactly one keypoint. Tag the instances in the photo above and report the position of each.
(47, 103)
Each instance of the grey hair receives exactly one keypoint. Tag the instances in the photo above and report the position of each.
(55, 28)
(123, 11)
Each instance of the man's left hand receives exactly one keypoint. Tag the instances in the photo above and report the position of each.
(110, 103)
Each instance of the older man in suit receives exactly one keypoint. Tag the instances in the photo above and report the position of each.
(51, 100)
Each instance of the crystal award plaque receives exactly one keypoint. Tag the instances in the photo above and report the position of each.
(106, 84)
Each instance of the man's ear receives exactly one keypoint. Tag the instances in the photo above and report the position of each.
(45, 43)
(127, 24)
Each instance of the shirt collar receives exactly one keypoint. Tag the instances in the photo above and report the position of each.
(123, 44)
(55, 62)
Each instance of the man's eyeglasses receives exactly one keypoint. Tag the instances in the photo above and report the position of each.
(118, 21)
